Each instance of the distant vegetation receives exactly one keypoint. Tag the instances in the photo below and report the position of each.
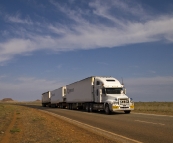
(7, 99)
(165, 108)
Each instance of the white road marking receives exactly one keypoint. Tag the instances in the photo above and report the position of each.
(152, 114)
(149, 122)
(100, 131)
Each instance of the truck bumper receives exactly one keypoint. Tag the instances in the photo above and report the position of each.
(122, 108)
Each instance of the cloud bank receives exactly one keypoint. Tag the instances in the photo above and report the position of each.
(98, 25)
(29, 87)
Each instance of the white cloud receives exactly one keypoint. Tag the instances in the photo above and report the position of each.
(85, 34)
(27, 88)
(14, 47)
(16, 19)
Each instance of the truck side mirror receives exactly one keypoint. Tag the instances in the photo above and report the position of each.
(124, 90)
(100, 91)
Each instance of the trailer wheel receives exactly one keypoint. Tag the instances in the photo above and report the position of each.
(68, 106)
(87, 107)
(127, 112)
(107, 110)
(60, 106)
(72, 107)
(91, 107)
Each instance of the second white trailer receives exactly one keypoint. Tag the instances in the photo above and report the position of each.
(58, 97)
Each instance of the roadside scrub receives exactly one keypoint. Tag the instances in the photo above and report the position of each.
(162, 108)
(24, 124)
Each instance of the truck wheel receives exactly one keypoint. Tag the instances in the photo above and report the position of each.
(91, 107)
(107, 110)
(127, 112)
(87, 107)
(72, 107)
(68, 106)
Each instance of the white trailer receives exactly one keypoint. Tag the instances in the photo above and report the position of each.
(98, 93)
(46, 98)
(58, 97)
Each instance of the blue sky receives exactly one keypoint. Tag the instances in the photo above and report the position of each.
(47, 44)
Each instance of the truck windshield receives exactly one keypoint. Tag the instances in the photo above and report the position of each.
(113, 90)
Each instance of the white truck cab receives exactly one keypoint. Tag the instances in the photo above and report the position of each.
(112, 93)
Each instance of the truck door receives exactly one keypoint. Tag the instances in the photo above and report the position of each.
(99, 95)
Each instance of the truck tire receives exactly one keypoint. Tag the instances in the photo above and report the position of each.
(91, 107)
(68, 106)
(107, 110)
(87, 107)
(127, 111)
(60, 106)
(72, 107)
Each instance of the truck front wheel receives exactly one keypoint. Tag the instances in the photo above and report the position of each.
(127, 112)
(107, 110)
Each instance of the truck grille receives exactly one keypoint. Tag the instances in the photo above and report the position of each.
(124, 101)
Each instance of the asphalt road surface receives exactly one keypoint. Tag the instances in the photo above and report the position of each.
(141, 127)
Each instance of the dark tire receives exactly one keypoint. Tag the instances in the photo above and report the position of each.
(68, 106)
(107, 110)
(87, 107)
(127, 112)
(91, 107)
(72, 108)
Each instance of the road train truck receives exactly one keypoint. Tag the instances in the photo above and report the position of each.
(98, 93)
(58, 97)
(46, 98)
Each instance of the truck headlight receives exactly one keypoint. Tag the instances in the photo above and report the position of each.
(114, 102)
(131, 100)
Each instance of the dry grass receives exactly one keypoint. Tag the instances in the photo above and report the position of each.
(27, 125)
(164, 108)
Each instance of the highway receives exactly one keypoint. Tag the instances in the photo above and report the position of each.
(141, 127)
